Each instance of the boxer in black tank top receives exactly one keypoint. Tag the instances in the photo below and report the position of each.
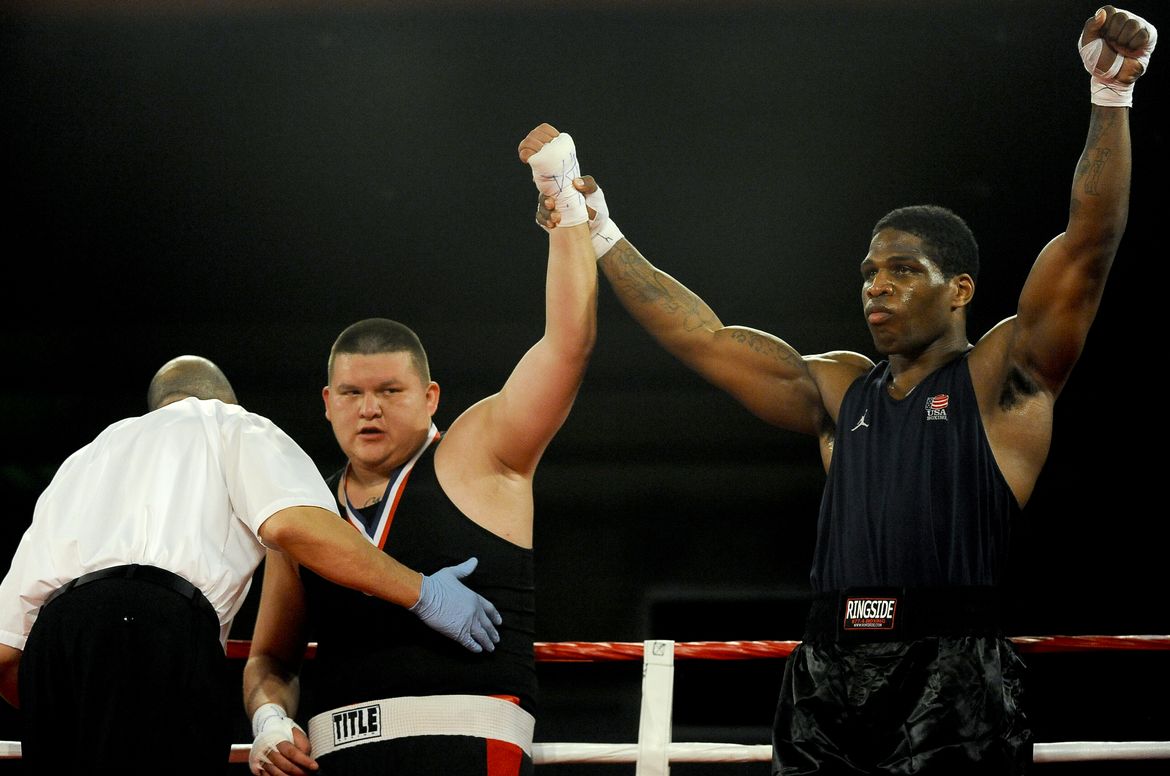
(357, 637)
(930, 454)
(385, 696)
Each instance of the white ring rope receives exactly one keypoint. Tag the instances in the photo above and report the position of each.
(657, 696)
(570, 753)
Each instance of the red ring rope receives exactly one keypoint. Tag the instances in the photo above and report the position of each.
(585, 651)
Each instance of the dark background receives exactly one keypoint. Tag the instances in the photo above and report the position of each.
(243, 180)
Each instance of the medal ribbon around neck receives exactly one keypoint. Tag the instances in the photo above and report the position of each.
(390, 498)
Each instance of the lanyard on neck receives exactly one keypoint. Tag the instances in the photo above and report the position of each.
(390, 498)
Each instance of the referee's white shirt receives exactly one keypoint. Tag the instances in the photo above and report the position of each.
(185, 488)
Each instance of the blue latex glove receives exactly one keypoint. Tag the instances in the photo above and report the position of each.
(457, 611)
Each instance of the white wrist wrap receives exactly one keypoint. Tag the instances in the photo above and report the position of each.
(605, 237)
(264, 714)
(554, 168)
(602, 230)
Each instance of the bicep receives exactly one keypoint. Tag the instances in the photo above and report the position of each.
(763, 373)
(519, 421)
(1057, 306)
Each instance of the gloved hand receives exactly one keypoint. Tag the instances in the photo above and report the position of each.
(456, 611)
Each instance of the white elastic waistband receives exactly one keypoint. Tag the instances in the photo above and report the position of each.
(429, 715)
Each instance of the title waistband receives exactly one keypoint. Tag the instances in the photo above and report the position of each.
(480, 716)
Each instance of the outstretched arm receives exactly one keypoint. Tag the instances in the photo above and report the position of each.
(1063, 290)
(315, 538)
(763, 372)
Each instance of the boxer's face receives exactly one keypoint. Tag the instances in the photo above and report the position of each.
(380, 408)
(907, 301)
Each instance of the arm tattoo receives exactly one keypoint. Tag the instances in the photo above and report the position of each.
(770, 348)
(647, 285)
(639, 282)
(1095, 157)
(1091, 170)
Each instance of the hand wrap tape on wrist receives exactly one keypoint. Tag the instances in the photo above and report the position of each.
(278, 731)
(270, 726)
(605, 237)
(602, 230)
(264, 714)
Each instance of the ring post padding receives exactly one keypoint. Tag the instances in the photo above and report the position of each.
(654, 727)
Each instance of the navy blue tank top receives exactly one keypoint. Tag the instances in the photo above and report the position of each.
(914, 497)
(368, 649)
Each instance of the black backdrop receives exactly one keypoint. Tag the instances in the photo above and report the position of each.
(243, 180)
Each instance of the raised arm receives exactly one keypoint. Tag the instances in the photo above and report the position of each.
(517, 423)
(1063, 290)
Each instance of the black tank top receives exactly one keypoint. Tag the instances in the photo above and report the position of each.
(914, 497)
(368, 649)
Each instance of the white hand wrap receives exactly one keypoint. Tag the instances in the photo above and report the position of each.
(270, 726)
(603, 231)
(1104, 88)
(554, 167)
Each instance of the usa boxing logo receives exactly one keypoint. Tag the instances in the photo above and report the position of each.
(936, 406)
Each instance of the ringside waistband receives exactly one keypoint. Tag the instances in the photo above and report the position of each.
(900, 614)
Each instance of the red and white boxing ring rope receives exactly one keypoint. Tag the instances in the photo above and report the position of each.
(655, 751)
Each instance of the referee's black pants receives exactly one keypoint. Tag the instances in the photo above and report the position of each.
(122, 676)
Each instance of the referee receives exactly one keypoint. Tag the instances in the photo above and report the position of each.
(115, 611)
